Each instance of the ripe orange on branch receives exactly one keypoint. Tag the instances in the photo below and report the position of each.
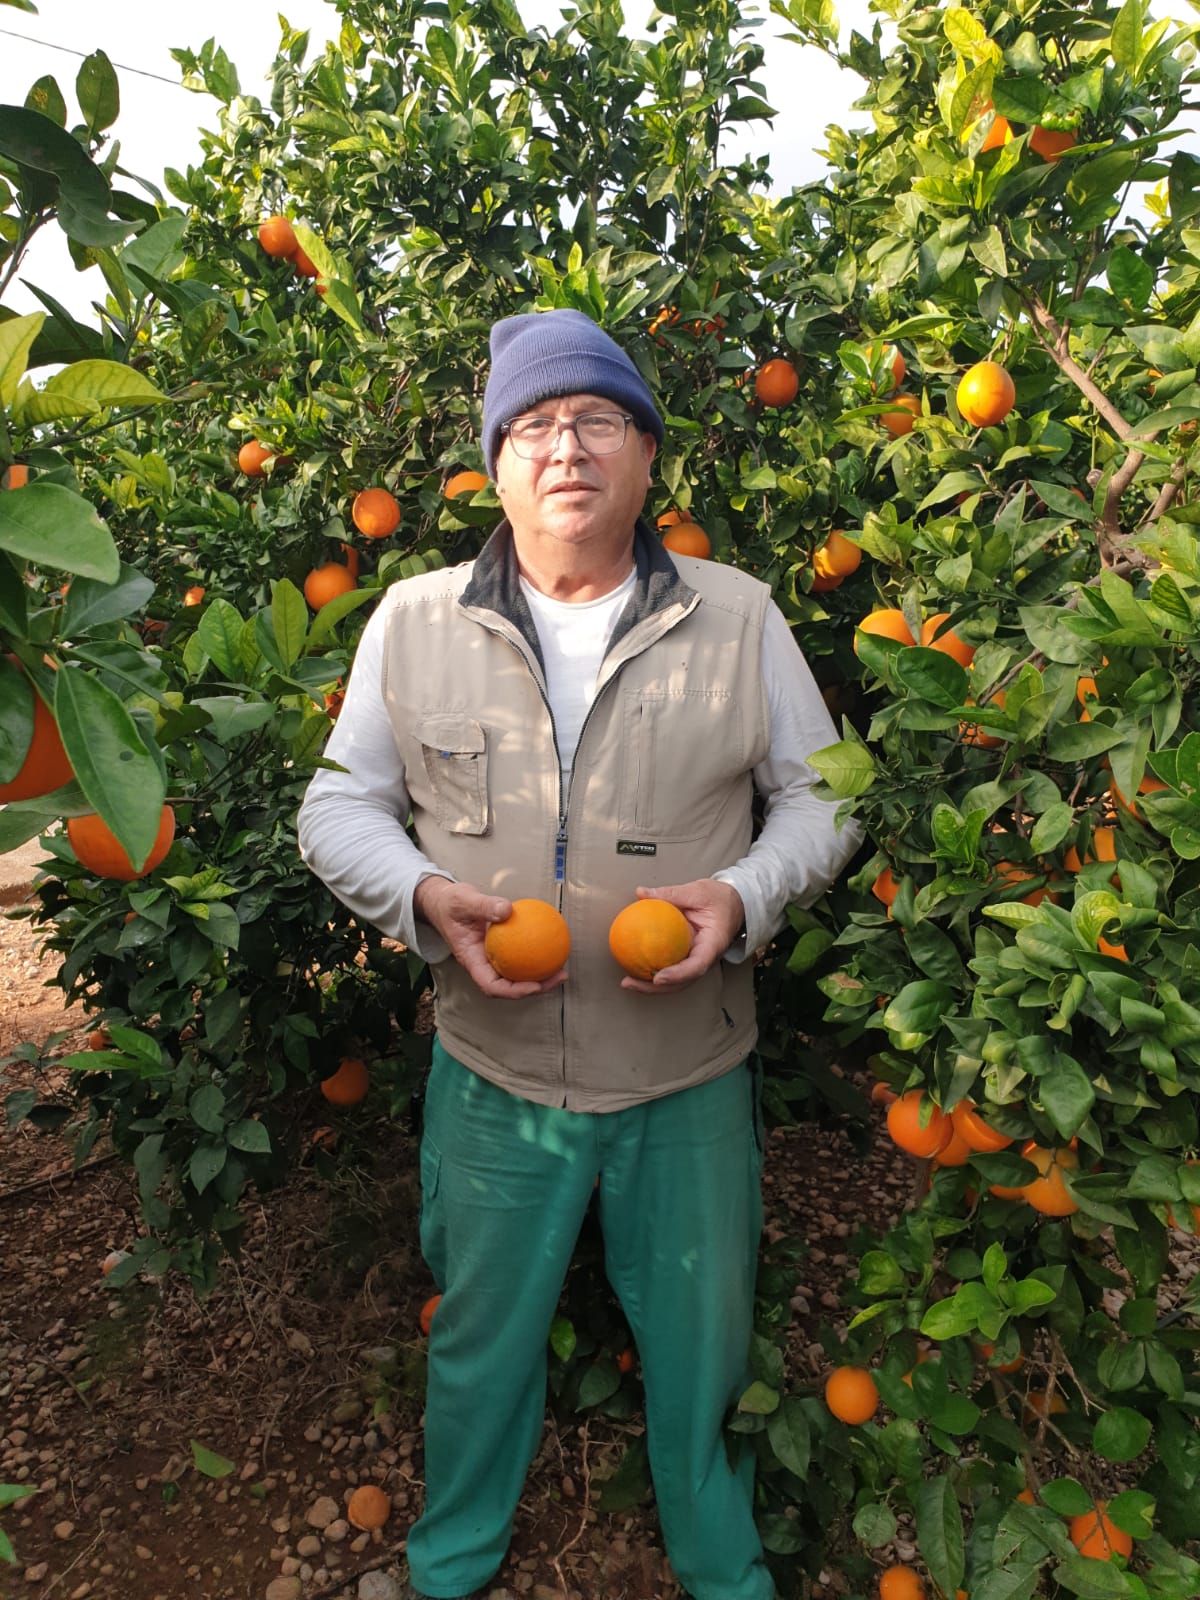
(1052, 143)
(376, 513)
(777, 382)
(980, 1135)
(349, 1084)
(1048, 1192)
(899, 420)
(837, 558)
(947, 641)
(649, 935)
(985, 394)
(97, 849)
(531, 944)
(1000, 133)
(888, 623)
(253, 457)
(898, 363)
(687, 539)
(46, 766)
(913, 1130)
(304, 264)
(325, 583)
(1095, 1534)
(900, 1583)
(465, 482)
(277, 237)
(195, 595)
(851, 1395)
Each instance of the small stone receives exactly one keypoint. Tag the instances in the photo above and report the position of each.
(309, 1545)
(64, 1529)
(379, 1586)
(322, 1512)
(284, 1589)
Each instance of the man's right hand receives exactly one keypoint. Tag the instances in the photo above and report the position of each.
(462, 915)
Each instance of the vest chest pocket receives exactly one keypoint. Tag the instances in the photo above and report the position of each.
(454, 752)
(682, 751)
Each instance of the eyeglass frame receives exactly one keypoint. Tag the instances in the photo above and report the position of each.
(570, 424)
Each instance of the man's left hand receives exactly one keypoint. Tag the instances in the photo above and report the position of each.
(715, 915)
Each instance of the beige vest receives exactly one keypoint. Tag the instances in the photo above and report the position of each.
(660, 793)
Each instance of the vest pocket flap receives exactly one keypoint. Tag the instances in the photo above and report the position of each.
(454, 734)
(454, 752)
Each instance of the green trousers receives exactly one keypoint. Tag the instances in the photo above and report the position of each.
(505, 1186)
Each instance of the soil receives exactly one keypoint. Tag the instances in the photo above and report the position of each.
(302, 1372)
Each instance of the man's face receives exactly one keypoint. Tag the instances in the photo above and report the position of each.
(571, 496)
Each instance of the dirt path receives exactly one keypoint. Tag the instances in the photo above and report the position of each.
(303, 1372)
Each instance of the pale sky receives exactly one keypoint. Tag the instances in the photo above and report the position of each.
(158, 123)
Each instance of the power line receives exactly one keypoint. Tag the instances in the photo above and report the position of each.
(83, 54)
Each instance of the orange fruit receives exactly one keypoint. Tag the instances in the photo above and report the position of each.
(687, 539)
(1104, 846)
(99, 1039)
(899, 420)
(626, 1361)
(252, 459)
(979, 1135)
(1026, 1497)
(466, 482)
(947, 641)
(325, 583)
(97, 850)
(1035, 1403)
(1048, 1193)
(376, 513)
(886, 888)
(956, 1152)
(303, 264)
(1052, 143)
(899, 365)
(881, 1093)
(368, 1507)
(351, 557)
(349, 1084)
(427, 1311)
(777, 382)
(837, 558)
(113, 1259)
(531, 944)
(888, 623)
(649, 935)
(46, 766)
(985, 394)
(906, 1128)
(1000, 133)
(988, 1350)
(16, 477)
(851, 1395)
(1009, 872)
(900, 1583)
(1096, 1535)
(277, 237)
(194, 595)
(1085, 688)
(1117, 951)
(972, 733)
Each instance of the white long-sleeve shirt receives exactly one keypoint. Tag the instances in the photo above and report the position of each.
(353, 822)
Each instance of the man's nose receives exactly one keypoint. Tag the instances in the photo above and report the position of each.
(567, 444)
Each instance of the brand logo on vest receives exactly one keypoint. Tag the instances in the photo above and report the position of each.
(636, 847)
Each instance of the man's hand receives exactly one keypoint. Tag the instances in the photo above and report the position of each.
(715, 915)
(462, 915)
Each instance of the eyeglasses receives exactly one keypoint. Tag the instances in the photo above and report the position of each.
(600, 433)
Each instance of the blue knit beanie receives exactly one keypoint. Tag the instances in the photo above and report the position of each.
(543, 354)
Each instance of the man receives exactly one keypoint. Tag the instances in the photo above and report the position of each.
(577, 716)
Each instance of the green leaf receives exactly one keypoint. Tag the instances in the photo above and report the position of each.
(205, 1164)
(1126, 40)
(289, 621)
(209, 1463)
(57, 528)
(220, 633)
(16, 340)
(207, 1108)
(933, 675)
(1092, 1580)
(1121, 1434)
(1129, 277)
(117, 773)
(1067, 1095)
(84, 388)
(940, 1531)
(562, 1338)
(788, 1435)
(916, 1013)
(759, 1400)
(36, 142)
(250, 1136)
(90, 603)
(598, 1384)
(17, 702)
(875, 1525)
(847, 767)
(1067, 1497)
(629, 1485)
(1020, 99)
(98, 92)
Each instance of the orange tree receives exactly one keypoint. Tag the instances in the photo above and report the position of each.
(440, 167)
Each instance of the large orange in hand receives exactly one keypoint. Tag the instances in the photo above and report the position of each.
(985, 394)
(376, 513)
(45, 767)
(910, 1133)
(648, 936)
(96, 847)
(531, 944)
